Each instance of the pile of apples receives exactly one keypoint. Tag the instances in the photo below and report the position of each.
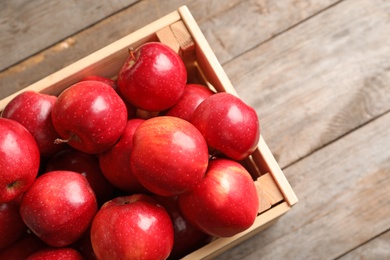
(146, 166)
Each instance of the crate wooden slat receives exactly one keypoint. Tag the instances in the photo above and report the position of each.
(180, 31)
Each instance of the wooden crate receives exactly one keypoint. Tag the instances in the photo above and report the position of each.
(180, 31)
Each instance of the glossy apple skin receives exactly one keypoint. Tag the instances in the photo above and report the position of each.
(59, 207)
(49, 253)
(153, 78)
(169, 156)
(228, 124)
(70, 159)
(132, 227)
(33, 111)
(115, 163)
(19, 159)
(131, 110)
(193, 95)
(187, 238)
(90, 115)
(11, 224)
(23, 247)
(225, 203)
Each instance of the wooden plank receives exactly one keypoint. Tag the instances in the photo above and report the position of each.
(246, 24)
(166, 36)
(206, 13)
(344, 200)
(268, 192)
(320, 80)
(183, 36)
(28, 27)
(377, 248)
(266, 184)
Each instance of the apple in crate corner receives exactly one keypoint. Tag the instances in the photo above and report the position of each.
(225, 203)
(59, 207)
(19, 159)
(132, 227)
(90, 116)
(169, 156)
(229, 126)
(153, 77)
(33, 111)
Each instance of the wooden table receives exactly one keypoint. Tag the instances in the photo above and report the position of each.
(317, 73)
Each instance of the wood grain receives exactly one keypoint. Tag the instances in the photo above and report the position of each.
(319, 80)
(317, 73)
(248, 24)
(73, 47)
(344, 200)
(377, 248)
(28, 27)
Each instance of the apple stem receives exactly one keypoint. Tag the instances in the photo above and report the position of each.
(131, 53)
(12, 184)
(61, 141)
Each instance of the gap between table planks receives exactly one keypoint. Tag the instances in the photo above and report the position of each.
(325, 82)
(377, 248)
(294, 56)
(212, 15)
(319, 80)
(36, 25)
(344, 201)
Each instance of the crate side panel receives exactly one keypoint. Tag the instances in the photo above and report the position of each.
(221, 245)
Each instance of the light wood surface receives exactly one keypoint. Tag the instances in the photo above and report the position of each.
(317, 73)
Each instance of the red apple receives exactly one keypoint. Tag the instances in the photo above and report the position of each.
(87, 165)
(153, 77)
(19, 159)
(228, 124)
(90, 116)
(169, 156)
(187, 238)
(131, 110)
(143, 114)
(225, 203)
(106, 80)
(12, 226)
(193, 95)
(22, 248)
(115, 163)
(84, 246)
(132, 227)
(59, 207)
(33, 111)
(49, 253)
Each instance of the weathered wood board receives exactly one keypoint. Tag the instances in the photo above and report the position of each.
(317, 73)
(344, 201)
(319, 80)
(73, 47)
(377, 248)
(28, 27)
